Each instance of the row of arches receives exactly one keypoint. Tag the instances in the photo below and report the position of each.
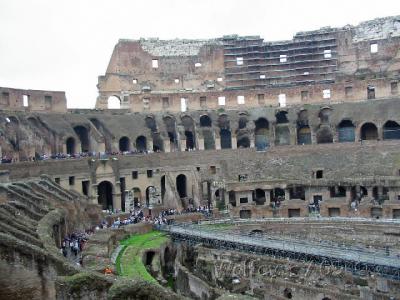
(105, 192)
(346, 132)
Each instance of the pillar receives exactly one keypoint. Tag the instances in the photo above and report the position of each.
(200, 143)
(183, 144)
(167, 145)
(218, 143)
(149, 145)
(267, 197)
(252, 141)
(348, 194)
(234, 142)
(287, 194)
(94, 195)
(117, 197)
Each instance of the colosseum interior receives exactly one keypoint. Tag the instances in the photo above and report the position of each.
(270, 170)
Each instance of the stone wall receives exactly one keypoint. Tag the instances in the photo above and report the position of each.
(320, 66)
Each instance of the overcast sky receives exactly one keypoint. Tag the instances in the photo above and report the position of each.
(65, 45)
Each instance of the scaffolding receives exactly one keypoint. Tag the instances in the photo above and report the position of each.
(359, 261)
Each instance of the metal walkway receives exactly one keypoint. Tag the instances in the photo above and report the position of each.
(358, 261)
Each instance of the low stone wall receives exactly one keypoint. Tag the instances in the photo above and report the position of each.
(184, 218)
(97, 253)
(192, 286)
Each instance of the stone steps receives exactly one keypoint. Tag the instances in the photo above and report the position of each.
(19, 221)
(57, 190)
(41, 190)
(26, 210)
(14, 231)
(16, 198)
(14, 212)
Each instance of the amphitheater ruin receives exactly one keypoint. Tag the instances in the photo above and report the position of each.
(266, 170)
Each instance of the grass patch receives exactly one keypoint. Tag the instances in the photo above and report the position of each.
(129, 261)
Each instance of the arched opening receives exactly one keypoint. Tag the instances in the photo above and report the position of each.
(181, 185)
(141, 143)
(170, 126)
(281, 117)
(158, 143)
(243, 142)
(189, 140)
(304, 135)
(205, 121)
(149, 257)
(380, 193)
(225, 132)
(259, 196)
(188, 125)
(277, 195)
(124, 144)
(83, 134)
(324, 135)
(242, 122)
(162, 187)
(256, 232)
(105, 195)
(325, 115)
(113, 102)
(282, 135)
(358, 193)
(232, 198)
(391, 130)
(287, 292)
(337, 191)
(70, 143)
(151, 196)
(137, 197)
(208, 136)
(297, 192)
(151, 123)
(369, 132)
(226, 139)
(346, 131)
(261, 134)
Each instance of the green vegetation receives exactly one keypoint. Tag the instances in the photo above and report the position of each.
(129, 261)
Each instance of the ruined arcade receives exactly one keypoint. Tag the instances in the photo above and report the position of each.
(297, 139)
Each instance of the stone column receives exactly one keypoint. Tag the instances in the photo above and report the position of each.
(218, 143)
(237, 198)
(392, 194)
(149, 144)
(267, 197)
(252, 141)
(234, 142)
(93, 198)
(348, 194)
(167, 145)
(117, 196)
(183, 144)
(200, 145)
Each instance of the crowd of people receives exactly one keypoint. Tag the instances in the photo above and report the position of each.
(136, 216)
(62, 156)
(73, 244)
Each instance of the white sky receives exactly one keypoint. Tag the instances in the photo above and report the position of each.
(65, 45)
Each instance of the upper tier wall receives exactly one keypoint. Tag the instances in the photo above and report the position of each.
(32, 100)
(155, 75)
